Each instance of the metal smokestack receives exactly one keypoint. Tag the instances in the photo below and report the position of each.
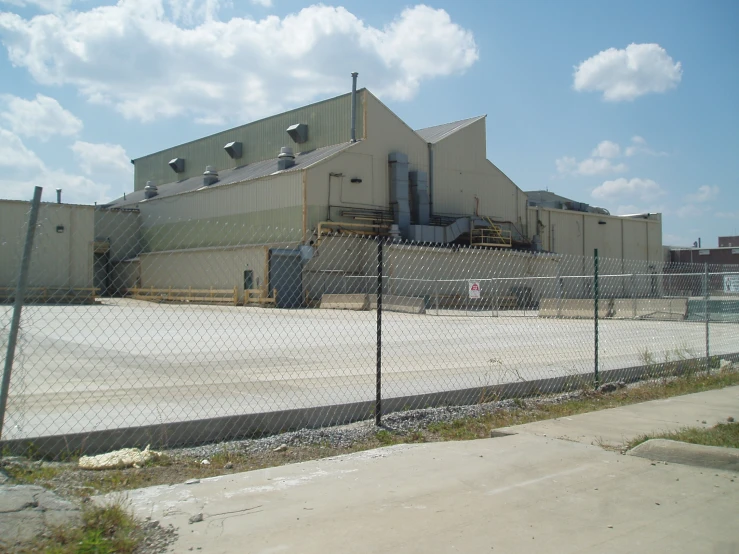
(58, 196)
(354, 106)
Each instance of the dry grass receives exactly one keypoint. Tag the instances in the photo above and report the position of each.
(723, 434)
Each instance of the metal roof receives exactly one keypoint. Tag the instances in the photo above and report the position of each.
(439, 132)
(249, 172)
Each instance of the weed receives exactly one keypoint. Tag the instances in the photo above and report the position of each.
(723, 434)
(385, 437)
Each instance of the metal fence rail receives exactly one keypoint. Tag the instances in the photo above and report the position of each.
(191, 340)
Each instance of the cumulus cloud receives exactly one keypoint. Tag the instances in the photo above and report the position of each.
(137, 56)
(102, 158)
(40, 118)
(601, 162)
(53, 6)
(629, 73)
(691, 210)
(265, 3)
(705, 193)
(607, 149)
(728, 215)
(22, 170)
(641, 189)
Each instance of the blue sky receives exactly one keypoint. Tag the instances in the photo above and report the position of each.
(630, 106)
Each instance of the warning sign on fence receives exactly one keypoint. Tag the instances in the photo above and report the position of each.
(475, 289)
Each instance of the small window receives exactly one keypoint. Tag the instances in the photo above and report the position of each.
(735, 250)
(704, 252)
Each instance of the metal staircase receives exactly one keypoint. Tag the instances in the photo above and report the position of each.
(491, 236)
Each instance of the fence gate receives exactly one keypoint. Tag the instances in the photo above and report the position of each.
(286, 275)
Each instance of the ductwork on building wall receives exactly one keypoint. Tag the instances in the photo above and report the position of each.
(419, 185)
(298, 132)
(234, 150)
(177, 165)
(210, 176)
(399, 193)
(285, 159)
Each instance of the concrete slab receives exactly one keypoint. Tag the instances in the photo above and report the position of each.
(344, 302)
(519, 493)
(689, 454)
(617, 426)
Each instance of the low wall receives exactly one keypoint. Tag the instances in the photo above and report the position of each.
(574, 308)
(344, 302)
(405, 304)
(666, 309)
(390, 302)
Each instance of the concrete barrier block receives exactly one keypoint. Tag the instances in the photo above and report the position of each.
(344, 302)
(405, 304)
(666, 309)
(574, 308)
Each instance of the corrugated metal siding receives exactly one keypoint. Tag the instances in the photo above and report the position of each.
(258, 211)
(62, 260)
(439, 132)
(329, 123)
(462, 172)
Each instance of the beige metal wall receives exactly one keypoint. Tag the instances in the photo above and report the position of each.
(121, 230)
(329, 122)
(253, 212)
(60, 259)
(329, 182)
(220, 268)
(465, 180)
(579, 233)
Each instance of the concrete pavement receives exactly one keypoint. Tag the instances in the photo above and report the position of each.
(519, 493)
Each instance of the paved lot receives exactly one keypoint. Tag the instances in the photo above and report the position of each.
(520, 493)
(127, 363)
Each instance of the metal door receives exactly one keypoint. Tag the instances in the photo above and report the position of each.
(286, 275)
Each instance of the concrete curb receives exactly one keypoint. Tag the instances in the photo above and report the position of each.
(663, 450)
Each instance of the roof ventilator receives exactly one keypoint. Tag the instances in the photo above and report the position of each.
(150, 190)
(210, 176)
(298, 132)
(177, 165)
(286, 159)
(234, 149)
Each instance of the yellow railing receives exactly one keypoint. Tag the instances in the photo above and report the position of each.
(492, 236)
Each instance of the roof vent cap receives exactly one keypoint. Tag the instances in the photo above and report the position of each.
(286, 158)
(150, 190)
(210, 176)
(177, 165)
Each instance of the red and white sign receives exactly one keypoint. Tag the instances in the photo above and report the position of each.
(475, 289)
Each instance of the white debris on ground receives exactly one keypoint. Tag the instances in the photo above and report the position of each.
(126, 457)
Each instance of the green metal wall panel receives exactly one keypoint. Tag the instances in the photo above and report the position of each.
(329, 122)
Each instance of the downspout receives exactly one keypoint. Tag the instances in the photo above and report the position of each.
(431, 179)
(354, 106)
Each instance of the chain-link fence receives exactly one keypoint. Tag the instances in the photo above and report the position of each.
(153, 330)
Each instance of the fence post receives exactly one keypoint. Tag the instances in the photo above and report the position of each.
(707, 313)
(20, 291)
(436, 295)
(595, 297)
(378, 378)
(633, 294)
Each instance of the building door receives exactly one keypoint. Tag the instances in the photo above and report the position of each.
(248, 279)
(286, 275)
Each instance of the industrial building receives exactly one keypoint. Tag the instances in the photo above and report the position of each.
(260, 206)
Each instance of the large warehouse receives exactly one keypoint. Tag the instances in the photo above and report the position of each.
(244, 207)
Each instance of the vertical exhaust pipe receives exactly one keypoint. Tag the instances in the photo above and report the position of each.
(354, 106)
(58, 196)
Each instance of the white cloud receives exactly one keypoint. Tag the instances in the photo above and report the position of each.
(22, 170)
(626, 74)
(599, 164)
(607, 149)
(728, 215)
(102, 158)
(40, 118)
(136, 57)
(642, 189)
(15, 155)
(705, 193)
(675, 240)
(639, 146)
(265, 3)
